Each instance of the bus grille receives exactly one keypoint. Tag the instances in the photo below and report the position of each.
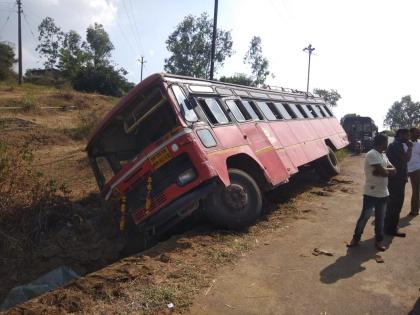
(162, 178)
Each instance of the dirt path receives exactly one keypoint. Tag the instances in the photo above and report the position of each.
(284, 277)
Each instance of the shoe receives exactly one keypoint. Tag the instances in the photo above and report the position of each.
(353, 243)
(380, 247)
(397, 234)
(413, 214)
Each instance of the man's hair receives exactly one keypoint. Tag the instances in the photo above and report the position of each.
(401, 131)
(413, 129)
(379, 139)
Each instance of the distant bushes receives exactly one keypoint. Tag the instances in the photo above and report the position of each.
(103, 79)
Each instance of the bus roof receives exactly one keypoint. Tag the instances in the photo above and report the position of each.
(270, 93)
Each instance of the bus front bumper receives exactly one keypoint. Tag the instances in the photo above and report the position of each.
(178, 210)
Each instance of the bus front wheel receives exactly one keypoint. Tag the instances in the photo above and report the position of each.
(328, 166)
(236, 206)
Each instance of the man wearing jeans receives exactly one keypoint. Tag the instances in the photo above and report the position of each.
(399, 153)
(375, 192)
(413, 168)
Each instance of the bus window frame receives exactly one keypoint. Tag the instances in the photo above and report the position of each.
(205, 117)
(233, 112)
(296, 111)
(289, 110)
(314, 111)
(283, 111)
(255, 108)
(180, 106)
(330, 113)
(261, 105)
(321, 106)
(306, 110)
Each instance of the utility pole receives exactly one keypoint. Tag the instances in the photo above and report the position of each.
(142, 62)
(309, 49)
(213, 43)
(19, 3)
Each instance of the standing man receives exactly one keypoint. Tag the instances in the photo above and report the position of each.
(413, 168)
(375, 192)
(399, 153)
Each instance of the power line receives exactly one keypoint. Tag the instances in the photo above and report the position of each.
(135, 25)
(7, 20)
(131, 25)
(125, 37)
(29, 27)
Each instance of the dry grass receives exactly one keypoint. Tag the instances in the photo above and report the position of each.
(27, 200)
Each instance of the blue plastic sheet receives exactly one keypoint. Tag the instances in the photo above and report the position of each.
(49, 281)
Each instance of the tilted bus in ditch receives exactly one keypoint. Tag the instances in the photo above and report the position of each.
(175, 143)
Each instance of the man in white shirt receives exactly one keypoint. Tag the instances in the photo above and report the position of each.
(375, 192)
(413, 169)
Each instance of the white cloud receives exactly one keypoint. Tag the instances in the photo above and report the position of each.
(103, 11)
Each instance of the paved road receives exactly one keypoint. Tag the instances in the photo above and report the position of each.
(285, 278)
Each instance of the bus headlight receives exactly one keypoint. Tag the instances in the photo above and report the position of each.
(187, 176)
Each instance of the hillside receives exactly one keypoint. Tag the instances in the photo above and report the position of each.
(44, 131)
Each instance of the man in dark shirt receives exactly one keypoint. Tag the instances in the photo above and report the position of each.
(398, 153)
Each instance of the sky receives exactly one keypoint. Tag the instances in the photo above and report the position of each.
(366, 50)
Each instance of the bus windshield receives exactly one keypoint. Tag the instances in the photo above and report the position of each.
(147, 119)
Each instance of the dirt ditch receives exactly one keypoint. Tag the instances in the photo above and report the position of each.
(173, 271)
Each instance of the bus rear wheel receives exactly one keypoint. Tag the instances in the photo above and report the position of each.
(328, 166)
(236, 206)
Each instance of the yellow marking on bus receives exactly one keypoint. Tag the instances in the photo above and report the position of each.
(264, 150)
(226, 150)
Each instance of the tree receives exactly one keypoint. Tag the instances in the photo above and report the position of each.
(100, 45)
(259, 64)
(7, 59)
(104, 79)
(403, 114)
(72, 54)
(50, 38)
(190, 47)
(238, 78)
(330, 96)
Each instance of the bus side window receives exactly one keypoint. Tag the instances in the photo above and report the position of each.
(266, 110)
(187, 112)
(275, 111)
(301, 110)
(313, 111)
(289, 110)
(283, 112)
(245, 112)
(296, 110)
(252, 109)
(328, 110)
(213, 111)
(235, 110)
(307, 111)
(321, 111)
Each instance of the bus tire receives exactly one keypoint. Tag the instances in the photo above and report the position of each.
(328, 166)
(237, 206)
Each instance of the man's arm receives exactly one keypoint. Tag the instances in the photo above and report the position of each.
(379, 170)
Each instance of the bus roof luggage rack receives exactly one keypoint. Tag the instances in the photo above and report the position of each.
(288, 90)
